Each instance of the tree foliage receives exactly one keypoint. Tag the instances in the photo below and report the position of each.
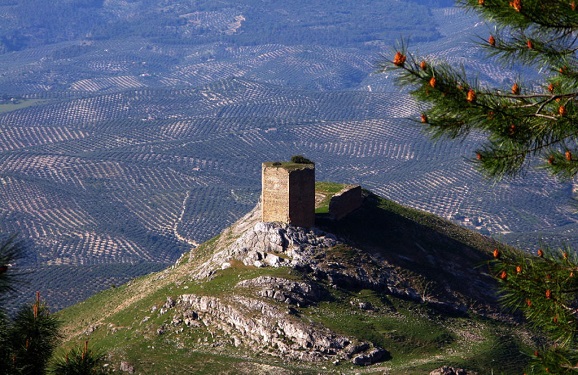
(545, 288)
(10, 252)
(526, 118)
(80, 362)
(32, 336)
(522, 119)
(28, 340)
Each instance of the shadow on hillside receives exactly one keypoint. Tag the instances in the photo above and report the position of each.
(451, 256)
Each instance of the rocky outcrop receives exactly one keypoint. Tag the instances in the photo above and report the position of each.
(447, 370)
(262, 313)
(297, 293)
(256, 323)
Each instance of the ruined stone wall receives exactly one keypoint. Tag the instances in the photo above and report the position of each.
(346, 201)
(288, 193)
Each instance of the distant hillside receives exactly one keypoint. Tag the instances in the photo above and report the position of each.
(388, 287)
(132, 130)
(35, 23)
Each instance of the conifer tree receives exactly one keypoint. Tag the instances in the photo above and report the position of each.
(33, 336)
(520, 120)
(80, 362)
(545, 288)
(28, 340)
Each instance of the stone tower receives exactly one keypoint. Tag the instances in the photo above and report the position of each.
(288, 193)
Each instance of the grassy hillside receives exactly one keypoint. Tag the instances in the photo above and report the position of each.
(135, 323)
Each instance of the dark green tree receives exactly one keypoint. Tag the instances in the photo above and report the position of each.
(521, 120)
(80, 362)
(545, 288)
(33, 335)
(10, 252)
(28, 340)
(300, 159)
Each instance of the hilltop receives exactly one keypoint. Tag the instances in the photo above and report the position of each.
(130, 130)
(387, 287)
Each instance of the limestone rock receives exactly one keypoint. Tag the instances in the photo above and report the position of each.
(283, 290)
(126, 367)
(373, 356)
(446, 370)
(258, 324)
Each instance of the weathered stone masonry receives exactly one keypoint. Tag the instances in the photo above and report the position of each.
(288, 193)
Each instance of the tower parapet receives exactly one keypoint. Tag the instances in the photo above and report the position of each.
(288, 193)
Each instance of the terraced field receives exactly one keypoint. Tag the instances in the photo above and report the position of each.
(120, 155)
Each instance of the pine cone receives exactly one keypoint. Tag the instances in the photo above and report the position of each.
(471, 96)
(515, 89)
(492, 41)
(399, 59)
(517, 5)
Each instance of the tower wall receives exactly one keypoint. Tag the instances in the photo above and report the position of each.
(288, 193)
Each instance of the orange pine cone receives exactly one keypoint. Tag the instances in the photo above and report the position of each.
(478, 156)
(432, 82)
(504, 275)
(551, 88)
(530, 44)
(423, 118)
(562, 111)
(512, 130)
(550, 161)
(516, 4)
(481, 2)
(471, 96)
(515, 89)
(568, 156)
(528, 303)
(399, 59)
(540, 253)
(573, 5)
(492, 41)
(518, 269)
(423, 65)
(548, 294)
(565, 255)
(496, 254)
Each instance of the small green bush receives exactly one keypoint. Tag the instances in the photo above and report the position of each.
(300, 159)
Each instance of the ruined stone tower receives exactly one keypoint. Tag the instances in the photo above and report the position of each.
(288, 193)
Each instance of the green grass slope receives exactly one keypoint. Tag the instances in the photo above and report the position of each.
(128, 322)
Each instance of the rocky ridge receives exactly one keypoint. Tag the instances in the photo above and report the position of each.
(261, 313)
